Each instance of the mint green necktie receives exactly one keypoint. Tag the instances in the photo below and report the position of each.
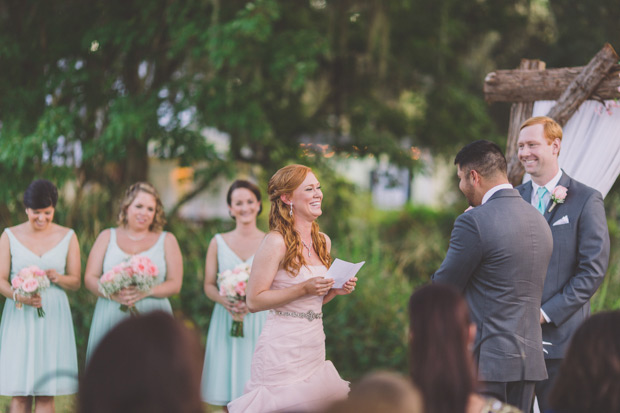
(541, 199)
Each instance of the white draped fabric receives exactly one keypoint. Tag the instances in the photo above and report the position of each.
(591, 143)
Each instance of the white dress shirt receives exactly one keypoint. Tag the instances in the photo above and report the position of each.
(550, 187)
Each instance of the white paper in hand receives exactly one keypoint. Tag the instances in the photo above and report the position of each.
(342, 271)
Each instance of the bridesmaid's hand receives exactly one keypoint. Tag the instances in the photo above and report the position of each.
(239, 310)
(118, 297)
(347, 288)
(52, 275)
(34, 301)
(318, 286)
(228, 305)
(131, 295)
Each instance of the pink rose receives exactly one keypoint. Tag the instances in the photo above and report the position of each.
(558, 196)
(107, 277)
(16, 282)
(559, 193)
(30, 285)
(153, 270)
(240, 288)
(25, 274)
(236, 270)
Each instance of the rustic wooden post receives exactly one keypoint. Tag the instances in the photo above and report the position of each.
(519, 113)
(583, 85)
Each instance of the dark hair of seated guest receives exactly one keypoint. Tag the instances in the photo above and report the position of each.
(589, 377)
(441, 363)
(149, 363)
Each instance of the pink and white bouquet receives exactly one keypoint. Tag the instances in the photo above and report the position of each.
(232, 286)
(30, 281)
(139, 271)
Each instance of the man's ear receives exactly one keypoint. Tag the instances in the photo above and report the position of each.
(475, 176)
(556, 145)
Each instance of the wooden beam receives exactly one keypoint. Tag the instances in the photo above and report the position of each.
(583, 85)
(519, 113)
(532, 85)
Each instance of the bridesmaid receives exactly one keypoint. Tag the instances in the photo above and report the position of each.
(228, 359)
(139, 232)
(37, 355)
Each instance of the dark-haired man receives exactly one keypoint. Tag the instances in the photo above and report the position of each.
(491, 259)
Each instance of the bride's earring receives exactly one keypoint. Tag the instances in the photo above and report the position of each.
(291, 211)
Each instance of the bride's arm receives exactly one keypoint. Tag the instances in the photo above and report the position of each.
(266, 262)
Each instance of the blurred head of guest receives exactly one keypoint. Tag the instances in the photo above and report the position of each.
(150, 363)
(441, 335)
(381, 392)
(589, 378)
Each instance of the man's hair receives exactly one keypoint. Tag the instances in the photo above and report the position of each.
(551, 129)
(484, 157)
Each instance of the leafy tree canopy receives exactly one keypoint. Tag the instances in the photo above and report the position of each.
(89, 89)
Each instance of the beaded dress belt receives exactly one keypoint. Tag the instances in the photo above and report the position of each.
(309, 315)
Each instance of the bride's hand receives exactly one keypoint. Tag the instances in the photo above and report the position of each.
(347, 288)
(318, 286)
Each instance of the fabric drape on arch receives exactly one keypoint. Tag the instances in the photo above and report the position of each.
(590, 144)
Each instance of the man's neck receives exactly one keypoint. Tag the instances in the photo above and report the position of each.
(544, 179)
(492, 184)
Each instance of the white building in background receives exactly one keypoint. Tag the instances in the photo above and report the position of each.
(391, 187)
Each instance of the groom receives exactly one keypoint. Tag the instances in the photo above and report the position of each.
(490, 259)
(580, 240)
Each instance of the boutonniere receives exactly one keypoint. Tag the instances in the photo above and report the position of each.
(558, 196)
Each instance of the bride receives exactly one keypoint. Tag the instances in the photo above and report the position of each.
(289, 371)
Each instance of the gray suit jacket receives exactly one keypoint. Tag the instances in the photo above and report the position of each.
(578, 263)
(492, 261)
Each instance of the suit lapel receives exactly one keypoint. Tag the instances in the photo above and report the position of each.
(526, 191)
(565, 182)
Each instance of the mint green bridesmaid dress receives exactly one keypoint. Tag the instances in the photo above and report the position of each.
(228, 359)
(107, 312)
(37, 355)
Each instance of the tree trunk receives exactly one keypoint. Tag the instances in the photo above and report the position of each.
(137, 162)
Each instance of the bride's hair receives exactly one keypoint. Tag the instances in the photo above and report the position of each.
(284, 182)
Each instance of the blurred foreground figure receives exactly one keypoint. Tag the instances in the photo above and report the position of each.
(441, 335)
(589, 378)
(149, 363)
(381, 392)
